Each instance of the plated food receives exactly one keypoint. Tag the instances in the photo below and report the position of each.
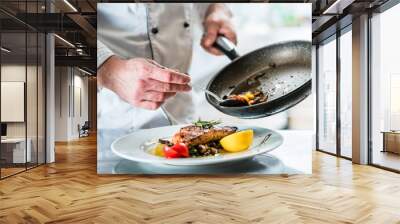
(204, 138)
(244, 99)
(140, 146)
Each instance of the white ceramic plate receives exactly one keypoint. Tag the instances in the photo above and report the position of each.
(138, 145)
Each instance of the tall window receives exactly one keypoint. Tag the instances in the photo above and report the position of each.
(346, 93)
(394, 101)
(385, 89)
(327, 96)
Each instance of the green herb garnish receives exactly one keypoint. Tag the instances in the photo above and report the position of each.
(206, 124)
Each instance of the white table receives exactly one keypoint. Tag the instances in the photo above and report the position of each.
(296, 150)
(19, 153)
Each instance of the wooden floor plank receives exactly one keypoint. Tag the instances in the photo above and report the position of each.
(70, 191)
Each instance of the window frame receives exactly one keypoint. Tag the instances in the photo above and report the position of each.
(334, 37)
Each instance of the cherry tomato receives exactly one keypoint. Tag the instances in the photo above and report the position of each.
(182, 149)
(169, 152)
(176, 151)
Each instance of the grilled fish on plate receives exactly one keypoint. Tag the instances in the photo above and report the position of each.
(196, 135)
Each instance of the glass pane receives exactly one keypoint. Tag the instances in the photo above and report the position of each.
(32, 88)
(31, 98)
(41, 99)
(13, 87)
(346, 93)
(327, 96)
(385, 86)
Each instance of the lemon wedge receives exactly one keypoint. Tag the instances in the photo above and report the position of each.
(238, 141)
(158, 150)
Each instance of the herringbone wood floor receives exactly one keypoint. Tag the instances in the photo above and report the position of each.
(70, 191)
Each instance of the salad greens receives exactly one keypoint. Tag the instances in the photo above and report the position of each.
(206, 124)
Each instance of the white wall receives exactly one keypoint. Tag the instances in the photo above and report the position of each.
(62, 81)
(80, 109)
(70, 83)
(16, 73)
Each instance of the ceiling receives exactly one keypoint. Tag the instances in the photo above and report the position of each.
(74, 22)
(333, 15)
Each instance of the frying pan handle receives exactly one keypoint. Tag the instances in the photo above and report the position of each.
(227, 47)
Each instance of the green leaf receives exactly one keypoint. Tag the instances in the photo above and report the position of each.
(206, 124)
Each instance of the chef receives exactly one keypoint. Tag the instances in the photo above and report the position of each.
(144, 51)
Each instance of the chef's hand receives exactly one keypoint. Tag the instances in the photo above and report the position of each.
(217, 21)
(141, 82)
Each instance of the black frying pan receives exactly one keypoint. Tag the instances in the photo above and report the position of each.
(282, 70)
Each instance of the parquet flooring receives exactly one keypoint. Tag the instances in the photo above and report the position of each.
(11, 170)
(70, 191)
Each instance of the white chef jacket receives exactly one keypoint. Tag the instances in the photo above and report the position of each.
(162, 32)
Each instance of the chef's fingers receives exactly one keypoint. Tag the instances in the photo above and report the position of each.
(209, 37)
(156, 85)
(213, 50)
(150, 105)
(167, 75)
(211, 34)
(229, 33)
(156, 96)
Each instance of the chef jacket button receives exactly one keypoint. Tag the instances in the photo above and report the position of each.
(154, 30)
(186, 24)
